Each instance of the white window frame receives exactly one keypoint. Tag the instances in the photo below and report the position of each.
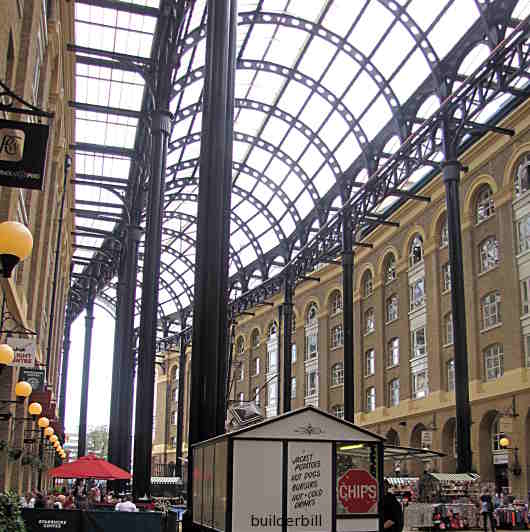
(493, 357)
(336, 303)
(420, 384)
(450, 367)
(448, 329)
(256, 366)
(368, 284)
(393, 348)
(484, 206)
(369, 362)
(257, 390)
(522, 232)
(272, 349)
(416, 244)
(525, 296)
(293, 353)
(337, 336)
(393, 392)
(488, 254)
(311, 388)
(446, 277)
(418, 349)
(370, 399)
(293, 387)
(490, 310)
(311, 334)
(337, 374)
(390, 269)
(392, 308)
(338, 411)
(522, 177)
(417, 294)
(241, 371)
(241, 397)
(444, 234)
(369, 321)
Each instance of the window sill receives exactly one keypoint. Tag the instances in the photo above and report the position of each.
(493, 268)
(333, 386)
(486, 329)
(521, 254)
(417, 309)
(388, 283)
(492, 215)
(393, 366)
(450, 344)
(368, 333)
(443, 246)
(336, 347)
(369, 375)
(336, 313)
(392, 320)
(446, 291)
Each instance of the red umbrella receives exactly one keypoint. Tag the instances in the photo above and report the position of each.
(90, 466)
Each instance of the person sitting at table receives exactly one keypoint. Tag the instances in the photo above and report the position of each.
(126, 506)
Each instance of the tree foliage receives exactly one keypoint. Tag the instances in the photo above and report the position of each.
(10, 517)
(98, 441)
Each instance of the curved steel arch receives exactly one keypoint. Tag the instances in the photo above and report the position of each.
(281, 70)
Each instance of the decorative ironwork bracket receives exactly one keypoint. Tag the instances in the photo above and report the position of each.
(9, 101)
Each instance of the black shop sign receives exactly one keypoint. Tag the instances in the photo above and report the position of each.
(23, 148)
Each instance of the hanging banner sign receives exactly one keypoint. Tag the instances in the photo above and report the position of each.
(36, 377)
(23, 148)
(25, 349)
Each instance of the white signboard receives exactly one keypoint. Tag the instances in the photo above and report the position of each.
(25, 349)
(500, 458)
(309, 486)
(257, 486)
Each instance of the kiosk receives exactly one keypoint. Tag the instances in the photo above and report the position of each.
(305, 470)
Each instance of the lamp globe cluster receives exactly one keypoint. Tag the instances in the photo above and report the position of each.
(16, 244)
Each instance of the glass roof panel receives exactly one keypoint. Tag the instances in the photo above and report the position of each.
(317, 81)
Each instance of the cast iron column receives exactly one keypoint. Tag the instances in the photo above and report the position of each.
(347, 315)
(180, 399)
(210, 329)
(149, 318)
(89, 321)
(287, 340)
(451, 178)
(64, 367)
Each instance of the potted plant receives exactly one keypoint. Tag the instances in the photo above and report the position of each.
(10, 516)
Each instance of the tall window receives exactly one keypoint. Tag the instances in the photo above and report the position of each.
(484, 206)
(368, 285)
(174, 417)
(256, 395)
(369, 363)
(527, 349)
(254, 338)
(240, 346)
(417, 294)
(241, 397)
(241, 371)
(451, 376)
(311, 333)
(337, 336)
(446, 277)
(420, 384)
(272, 397)
(522, 176)
(390, 268)
(525, 296)
(369, 321)
(392, 308)
(444, 234)
(255, 366)
(293, 387)
(419, 342)
(335, 303)
(489, 254)
(272, 349)
(393, 353)
(293, 353)
(448, 328)
(393, 392)
(370, 399)
(523, 234)
(490, 309)
(311, 383)
(338, 411)
(337, 374)
(493, 362)
(416, 251)
(175, 396)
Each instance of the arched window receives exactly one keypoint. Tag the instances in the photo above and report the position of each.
(370, 399)
(493, 362)
(496, 434)
(368, 285)
(337, 374)
(390, 268)
(338, 411)
(240, 345)
(311, 333)
(444, 234)
(272, 330)
(484, 207)
(369, 321)
(522, 176)
(272, 348)
(254, 338)
(489, 254)
(335, 303)
(416, 251)
(448, 328)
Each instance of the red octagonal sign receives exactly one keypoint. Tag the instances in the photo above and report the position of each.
(357, 491)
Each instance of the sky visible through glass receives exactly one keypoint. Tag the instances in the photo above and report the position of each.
(316, 81)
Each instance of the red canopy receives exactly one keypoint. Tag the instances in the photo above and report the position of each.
(90, 466)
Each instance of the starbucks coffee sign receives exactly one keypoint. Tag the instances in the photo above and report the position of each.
(23, 149)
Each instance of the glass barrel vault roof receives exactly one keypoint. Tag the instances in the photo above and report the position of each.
(324, 91)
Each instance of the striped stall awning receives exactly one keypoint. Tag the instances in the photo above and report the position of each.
(455, 477)
(402, 481)
(166, 480)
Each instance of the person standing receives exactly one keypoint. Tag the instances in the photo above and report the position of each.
(392, 511)
(126, 506)
(486, 509)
